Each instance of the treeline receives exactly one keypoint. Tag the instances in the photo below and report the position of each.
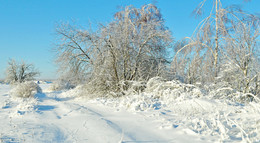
(136, 46)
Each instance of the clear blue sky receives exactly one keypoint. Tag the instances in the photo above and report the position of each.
(27, 27)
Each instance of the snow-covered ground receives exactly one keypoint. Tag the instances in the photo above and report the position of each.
(64, 117)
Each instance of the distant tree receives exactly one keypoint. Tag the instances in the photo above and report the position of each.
(20, 72)
(132, 47)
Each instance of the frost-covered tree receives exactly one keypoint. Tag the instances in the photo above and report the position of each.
(202, 57)
(132, 47)
(20, 72)
(203, 47)
(242, 56)
(135, 45)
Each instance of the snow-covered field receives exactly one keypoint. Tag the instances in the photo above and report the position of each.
(146, 117)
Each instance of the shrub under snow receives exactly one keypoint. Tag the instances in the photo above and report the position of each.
(26, 89)
(224, 91)
(160, 87)
(61, 85)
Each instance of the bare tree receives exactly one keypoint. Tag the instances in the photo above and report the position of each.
(20, 72)
(136, 43)
(241, 55)
(132, 47)
(75, 52)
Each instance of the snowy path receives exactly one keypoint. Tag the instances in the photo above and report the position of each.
(89, 122)
(55, 118)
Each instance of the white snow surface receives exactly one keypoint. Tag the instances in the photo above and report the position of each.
(166, 116)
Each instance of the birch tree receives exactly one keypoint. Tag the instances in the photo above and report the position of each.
(241, 55)
(204, 53)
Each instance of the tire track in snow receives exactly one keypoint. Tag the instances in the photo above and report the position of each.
(130, 130)
(69, 111)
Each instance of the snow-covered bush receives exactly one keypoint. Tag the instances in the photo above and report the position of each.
(157, 94)
(26, 89)
(79, 91)
(125, 88)
(154, 82)
(161, 87)
(223, 90)
(132, 87)
(61, 85)
(86, 91)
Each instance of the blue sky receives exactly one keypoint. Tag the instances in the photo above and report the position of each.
(27, 27)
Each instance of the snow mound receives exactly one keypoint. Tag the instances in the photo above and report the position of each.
(23, 106)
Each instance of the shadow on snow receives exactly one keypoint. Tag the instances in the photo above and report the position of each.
(42, 96)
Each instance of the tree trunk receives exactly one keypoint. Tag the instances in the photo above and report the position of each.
(216, 42)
